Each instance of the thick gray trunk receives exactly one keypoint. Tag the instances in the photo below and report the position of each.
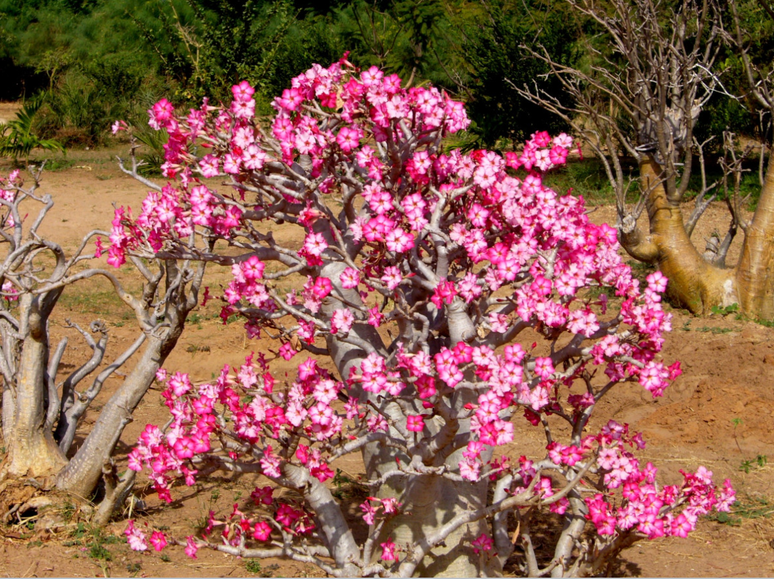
(84, 470)
(428, 501)
(32, 450)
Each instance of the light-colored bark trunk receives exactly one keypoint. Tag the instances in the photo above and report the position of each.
(755, 272)
(428, 501)
(84, 470)
(32, 450)
(693, 283)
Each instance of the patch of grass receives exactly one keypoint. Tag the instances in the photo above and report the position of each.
(80, 531)
(59, 164)
(88, 535)
(587, 178)
(194, 348)
(195, 318)
(100, 553)
(254, 566)
(102, 302)
(641, 270)
(758, 462)
(724, 311)
(68, 512)
(746, 508)
(715, 330)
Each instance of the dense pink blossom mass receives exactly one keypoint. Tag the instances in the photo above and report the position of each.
(456, 255)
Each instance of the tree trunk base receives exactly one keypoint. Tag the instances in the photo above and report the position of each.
(37, 456)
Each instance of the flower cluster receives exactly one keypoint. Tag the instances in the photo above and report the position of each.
(455, 253)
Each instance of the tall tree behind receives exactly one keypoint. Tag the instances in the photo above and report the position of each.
(406, 37)
(491, 40)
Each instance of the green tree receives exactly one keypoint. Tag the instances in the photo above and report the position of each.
(492, 35)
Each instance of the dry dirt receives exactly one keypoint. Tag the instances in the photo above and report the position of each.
(719, 414)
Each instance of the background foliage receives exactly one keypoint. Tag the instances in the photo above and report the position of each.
(99, 60)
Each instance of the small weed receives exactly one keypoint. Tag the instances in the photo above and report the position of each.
(79, 532)
(758, 462)
(133, 568)
(99, 552)
(686, 326)
(347, 487)
(254, 566)
(215, 495)
(104, 177)
(34, 544)
(87, 534)
(724, 311)
(737, 422)
(110, 540)
(68, 512)
(195, 348)
(715, 330)
(166, 558)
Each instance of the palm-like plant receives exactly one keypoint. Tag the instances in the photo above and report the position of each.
(17, 138)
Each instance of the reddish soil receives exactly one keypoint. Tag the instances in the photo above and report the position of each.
(718, 414)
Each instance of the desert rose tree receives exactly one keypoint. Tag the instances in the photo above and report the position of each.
(41, 413)
(441, 298)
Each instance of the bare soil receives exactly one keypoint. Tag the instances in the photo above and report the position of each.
(718, 414)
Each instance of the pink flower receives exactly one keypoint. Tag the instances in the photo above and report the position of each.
(350, 278)
(369, 512)
(135, 537)
(242, 91)
(348, 138)
(389, 551)
(119, 126)
(415, 423)
(191, 547)
(262, 495)
(390, 505)
(482, 543)
(158, 540)
(262, 531)
(544, 367)
(341, 322)
(391, 277)
(287, 351)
